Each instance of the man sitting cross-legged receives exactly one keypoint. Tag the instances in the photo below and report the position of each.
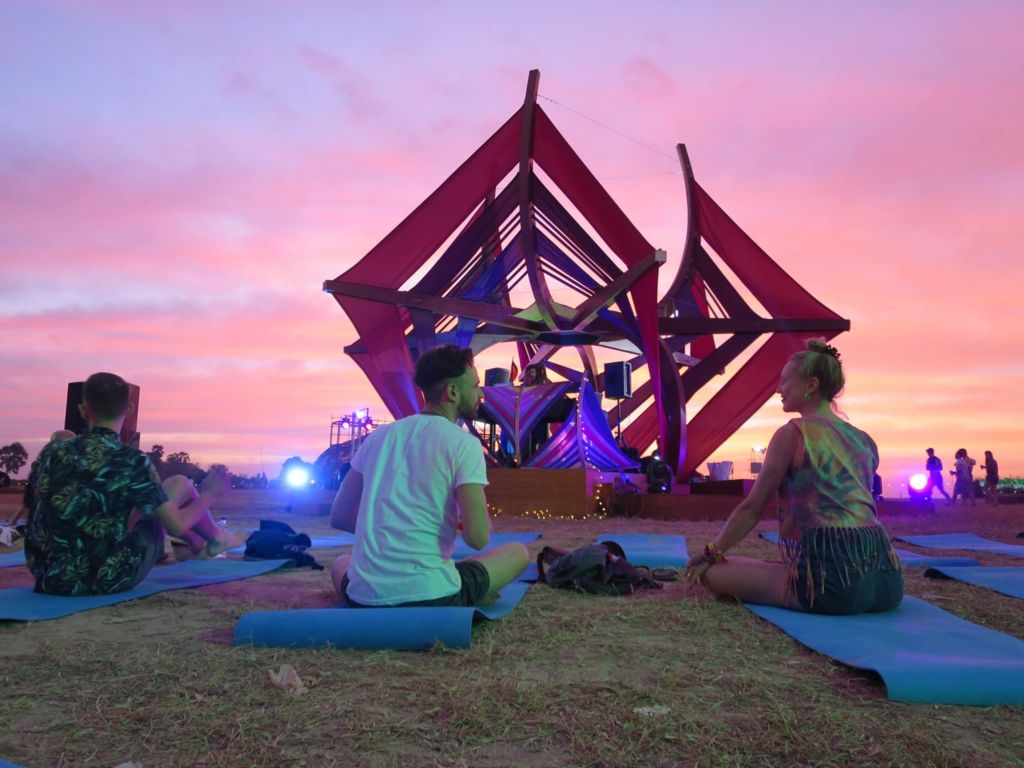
(410, 486)
(97, 509)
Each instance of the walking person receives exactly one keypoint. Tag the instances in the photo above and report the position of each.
(964, 473)
(991, 478)
(933, 465)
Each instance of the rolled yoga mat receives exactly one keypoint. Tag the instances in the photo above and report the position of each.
(967, 541)
(650, 550)
(399, 629)
(23, 604)
(923, 653)
(909, 559)
(1007, 580)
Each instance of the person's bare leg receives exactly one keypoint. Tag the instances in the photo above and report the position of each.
(338, 571)
(503, 564)
(205, 532)
(752, 581)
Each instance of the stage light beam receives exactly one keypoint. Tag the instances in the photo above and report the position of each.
(297, 477)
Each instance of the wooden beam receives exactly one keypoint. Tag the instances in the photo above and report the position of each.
(440, 305)
(527, 233)
(699, 326)
(692, 235)
(588, 310)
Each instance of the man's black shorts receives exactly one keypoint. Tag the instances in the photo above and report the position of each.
(476, 583)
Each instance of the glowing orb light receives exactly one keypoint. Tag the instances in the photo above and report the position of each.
(297, 477)
(919, 481)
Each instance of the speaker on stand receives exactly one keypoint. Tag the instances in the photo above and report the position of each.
(618, 384)
(493, 377)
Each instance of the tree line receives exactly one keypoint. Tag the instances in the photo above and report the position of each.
(14, 457)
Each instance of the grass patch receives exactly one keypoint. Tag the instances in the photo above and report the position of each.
(556, 683)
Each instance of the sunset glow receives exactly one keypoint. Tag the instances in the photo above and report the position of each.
(177, 181)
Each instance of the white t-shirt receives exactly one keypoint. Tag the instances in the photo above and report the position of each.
(406, 528)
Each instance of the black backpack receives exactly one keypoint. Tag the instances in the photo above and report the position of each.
(279, 541)
(600, 569)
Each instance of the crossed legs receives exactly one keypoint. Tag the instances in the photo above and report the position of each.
(503, 564)
(752, 581)
(205, 534)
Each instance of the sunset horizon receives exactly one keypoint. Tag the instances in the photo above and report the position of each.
(173, 221)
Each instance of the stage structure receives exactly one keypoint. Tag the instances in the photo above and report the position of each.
(522, 231)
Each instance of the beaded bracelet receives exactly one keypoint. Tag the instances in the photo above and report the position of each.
(713, 553)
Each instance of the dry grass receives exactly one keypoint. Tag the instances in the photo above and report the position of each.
(554, 684)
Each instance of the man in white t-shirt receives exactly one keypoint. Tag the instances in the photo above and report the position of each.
(411, 485)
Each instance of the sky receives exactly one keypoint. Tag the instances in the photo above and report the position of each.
(177, 180)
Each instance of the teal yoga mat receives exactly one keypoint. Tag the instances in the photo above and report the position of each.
(923, 653)
(463, 550)
(11, 559)
(1007, 580)
(967, 541)
(650, 550)
(908, 558)
(399, 629)
(23, 604)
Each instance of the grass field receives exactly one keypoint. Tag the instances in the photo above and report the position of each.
(559, 682)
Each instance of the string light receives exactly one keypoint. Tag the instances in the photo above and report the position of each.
(600, 512)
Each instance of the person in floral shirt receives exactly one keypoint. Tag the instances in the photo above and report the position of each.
(98, 511)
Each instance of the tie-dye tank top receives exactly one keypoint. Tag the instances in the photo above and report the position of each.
(829, 483)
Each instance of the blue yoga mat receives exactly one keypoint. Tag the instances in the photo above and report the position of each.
(530, 574)
(964, 541)
(923, 653)
(463, 550)
(11, 559)
(650, 550)
(908, 558)
(1008, 580)
(4, 764)
(399, 629)
(23, 604)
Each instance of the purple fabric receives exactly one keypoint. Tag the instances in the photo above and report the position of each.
(584, 440)
(503, 401)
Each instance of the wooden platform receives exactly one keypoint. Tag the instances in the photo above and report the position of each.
(580, 494)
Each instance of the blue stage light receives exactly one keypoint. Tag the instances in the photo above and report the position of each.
(297, 477)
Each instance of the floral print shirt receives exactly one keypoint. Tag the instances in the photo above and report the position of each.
(82, 492)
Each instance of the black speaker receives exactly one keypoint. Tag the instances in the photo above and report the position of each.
(73, 419)
(618, 380)
(495, 376)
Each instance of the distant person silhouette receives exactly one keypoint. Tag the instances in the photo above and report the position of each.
(964, 472)
(933, 465)
(991, 478)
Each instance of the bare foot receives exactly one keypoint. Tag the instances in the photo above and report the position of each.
(225, 540)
